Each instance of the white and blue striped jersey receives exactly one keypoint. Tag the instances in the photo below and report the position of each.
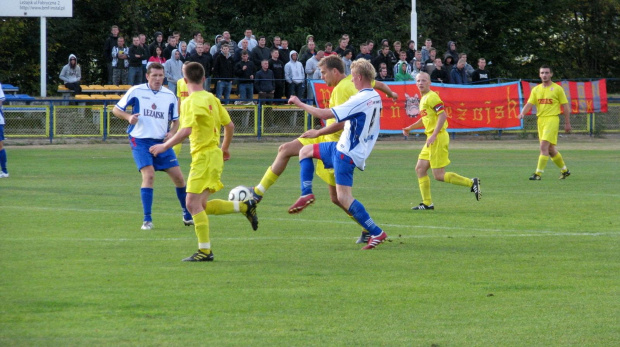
(362, 113)
(1, 101)
(156, 108)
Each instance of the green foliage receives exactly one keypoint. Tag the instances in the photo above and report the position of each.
(532, 264)
(580, 38)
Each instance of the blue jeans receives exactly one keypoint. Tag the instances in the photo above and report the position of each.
(246, 91)
(135, 75)
(173, 87)
(297, 89)
(223, 87)
(207, 84)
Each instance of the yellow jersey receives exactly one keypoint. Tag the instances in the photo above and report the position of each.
(204, 113)
(548, 100)
(431, 107)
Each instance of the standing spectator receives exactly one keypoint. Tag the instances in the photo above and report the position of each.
(347, 41)
(364, 53)
(448, 64)
(329, 50)
(244, 70)
(264, 82)
(434, 154)
(480, 75)
(276, 43)
(342, 46)
(549, 99)
(183, 52)
(383, 74)
(244, 47)
(452, 51)
(110, 42)
(71, 74)
(385, 56)
(469, 70)
(204, 59)
(217, 46)
(440, 75)
(191, 46)
(158, 42)
(157, 58)
(294, 73)
(146, 57)
(458, 74)
(284, 52)
(310, 52)
(397, 48)
(426, 50)
(231, 43)
(403, 73)
(120, 62)
(277, 66)
(384, 42)
(136, 54)
(402, 61)
(371, 46)
(4, 173)
(346, 59)
(416, 69)
(223, 70)
(174, 70)
(304, 48)
(312, 68)
(418, 57)
(172, 44)
(251, 41)
(261, 52)
(429, 65)
(149, 126)
(411, 50)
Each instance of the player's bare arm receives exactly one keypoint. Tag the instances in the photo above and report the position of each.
(526, 109)
(173, 130)
(380, 86)
(566, 111)
(330, 129)
(417, 124)
(440, 122)
(229, 130)
(177, 138)
(131, 118)
(321, 113)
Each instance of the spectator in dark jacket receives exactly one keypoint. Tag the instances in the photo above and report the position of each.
(223, 70)
(204, 59)
(264, 83)
(244, 71)
(458, 74)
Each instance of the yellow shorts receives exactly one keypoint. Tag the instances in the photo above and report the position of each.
(548, 128)
(326, 175)
(437, 153)
(206, 171)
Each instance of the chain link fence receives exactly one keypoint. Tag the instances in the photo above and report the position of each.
(93, 120)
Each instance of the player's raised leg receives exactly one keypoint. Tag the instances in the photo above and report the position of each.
(285, 152)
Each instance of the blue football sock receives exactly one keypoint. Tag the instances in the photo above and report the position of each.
(358, 212)
(306, 174)
(181, 194)
(3, 160)
(146, 194)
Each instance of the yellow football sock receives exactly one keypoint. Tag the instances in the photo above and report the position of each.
(457, 179)
(201, 225)
(177, 149)
(218, 206)
(559, 162)
(425, 189)
(542, 163)
(267, 181)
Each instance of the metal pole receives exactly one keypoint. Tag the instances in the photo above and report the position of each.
(43, 57)
(414, 24)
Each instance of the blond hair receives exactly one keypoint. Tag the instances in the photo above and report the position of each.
(364, 68)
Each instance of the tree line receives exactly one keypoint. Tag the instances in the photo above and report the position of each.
(578, 38)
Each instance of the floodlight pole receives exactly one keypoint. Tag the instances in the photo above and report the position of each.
(43, 57)
(414, 24)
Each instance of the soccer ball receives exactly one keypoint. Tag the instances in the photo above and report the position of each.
(240, 193)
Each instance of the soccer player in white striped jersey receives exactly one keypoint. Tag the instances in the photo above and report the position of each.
(154, 118)
(361, 114)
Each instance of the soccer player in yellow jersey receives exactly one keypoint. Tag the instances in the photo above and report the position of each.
(182, 94)
(332, 72)
(550, 100)
(203, 116)
(434, 154)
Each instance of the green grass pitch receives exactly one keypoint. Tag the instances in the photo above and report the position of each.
(532, 264)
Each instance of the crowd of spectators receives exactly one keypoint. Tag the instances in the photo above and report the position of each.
(274, 70)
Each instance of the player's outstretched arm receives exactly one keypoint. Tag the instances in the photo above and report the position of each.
(380, 86)
(526, 109)
(417, 124)
(177, 138)
(321, 113)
